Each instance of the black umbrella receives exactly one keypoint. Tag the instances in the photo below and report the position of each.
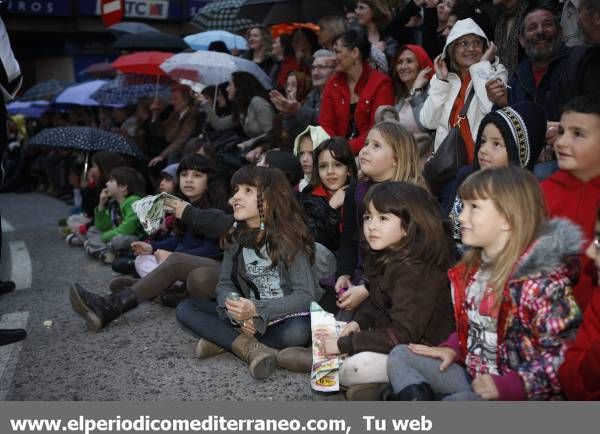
(85, 139)
(272, 12)
(150, 41)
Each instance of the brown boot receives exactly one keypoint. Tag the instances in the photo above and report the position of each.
(365, 392)
(261, 359)
(206, 349)
(295, 359)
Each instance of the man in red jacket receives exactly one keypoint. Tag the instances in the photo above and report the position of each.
(580, 373)
(574, 190)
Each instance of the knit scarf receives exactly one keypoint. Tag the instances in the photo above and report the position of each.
(250, 238)
(507, 40)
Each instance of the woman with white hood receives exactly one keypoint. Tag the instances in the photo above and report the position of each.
(466, 64)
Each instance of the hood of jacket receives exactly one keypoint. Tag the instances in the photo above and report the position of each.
(317, 135)
(560, 239)
(462, 28)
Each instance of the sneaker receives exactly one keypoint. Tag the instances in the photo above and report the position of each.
(107, 256)
(74, 240)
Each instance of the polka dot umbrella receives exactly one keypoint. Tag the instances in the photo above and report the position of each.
(85, 139)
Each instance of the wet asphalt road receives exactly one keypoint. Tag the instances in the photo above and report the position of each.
(145, 357)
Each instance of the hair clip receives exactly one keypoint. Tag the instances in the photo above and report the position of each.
(235, 224)
(262, 226)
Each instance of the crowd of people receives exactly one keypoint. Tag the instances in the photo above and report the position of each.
(478, 284)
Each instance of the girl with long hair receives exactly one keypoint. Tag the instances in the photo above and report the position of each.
(390, 154)
(200, 185)
(409, 295)
(334, 168)
(266, 283)
(514, 309)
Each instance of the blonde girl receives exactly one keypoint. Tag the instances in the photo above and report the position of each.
(513, 304)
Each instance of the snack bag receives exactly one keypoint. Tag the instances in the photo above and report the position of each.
(150, 211)
(324, 376)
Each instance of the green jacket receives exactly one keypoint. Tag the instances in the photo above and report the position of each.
(130, 225)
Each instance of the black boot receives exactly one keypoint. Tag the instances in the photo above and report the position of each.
(124, 265)
(6, 286)
(98, 310)
(8, 336)
(414, 392)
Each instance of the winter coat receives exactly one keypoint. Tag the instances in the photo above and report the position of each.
(522, 84)
(437, 108)
(580, 373)
(298, 282)
(538, 316)
(178, 130)
(568, 196)
(130, 225)
(373, 88)
(407, 303)
(322, 220)
(257, 120)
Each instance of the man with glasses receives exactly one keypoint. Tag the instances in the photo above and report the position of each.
(296, 116)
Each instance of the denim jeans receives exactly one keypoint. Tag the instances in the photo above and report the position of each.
(200, 319)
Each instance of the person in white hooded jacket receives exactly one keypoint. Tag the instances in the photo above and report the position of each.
(467, 62)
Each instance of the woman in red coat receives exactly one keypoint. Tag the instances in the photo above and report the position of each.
(580, 372)
(352, 95)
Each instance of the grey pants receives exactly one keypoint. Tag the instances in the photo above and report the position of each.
(200, 274)
(405, 368)
(95, 245)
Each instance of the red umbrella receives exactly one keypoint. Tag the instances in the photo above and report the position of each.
(145, 62)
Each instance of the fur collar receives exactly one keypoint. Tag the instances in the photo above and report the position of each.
(560, 239)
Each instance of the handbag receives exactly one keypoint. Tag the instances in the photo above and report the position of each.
(450, 156)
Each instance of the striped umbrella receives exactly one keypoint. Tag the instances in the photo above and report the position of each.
(222, 15)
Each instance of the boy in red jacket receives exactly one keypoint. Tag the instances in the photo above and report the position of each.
(574, 190)
(580, 373)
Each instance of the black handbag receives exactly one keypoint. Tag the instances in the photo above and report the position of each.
(450, 156)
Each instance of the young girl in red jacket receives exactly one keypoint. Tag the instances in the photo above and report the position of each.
(580, 373)
(514, 309)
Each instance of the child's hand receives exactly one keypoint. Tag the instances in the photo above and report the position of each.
(445, 354)
(484, 386)
(329, 346)
(161, 255)
(104, 196)
(241, 309)
(141, 248)
(342, 282)
(177, 206)
(353, 297)
(351, 327)
(337, 199)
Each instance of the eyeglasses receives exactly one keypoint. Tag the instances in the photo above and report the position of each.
(320, 67)
(465, 43)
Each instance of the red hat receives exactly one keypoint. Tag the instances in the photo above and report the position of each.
(422, 57)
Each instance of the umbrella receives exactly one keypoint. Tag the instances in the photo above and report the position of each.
(29, 109)
(127, 90)
(45, 90)
(98, 70)
(201, 41)
(212, 67)
(86, 139)
(145, 62)
(272, 12)
(79, 94)
(279, 29)
(158, 41)
(129, 27)
(222, 15)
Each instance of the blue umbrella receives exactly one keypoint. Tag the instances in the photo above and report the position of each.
(80, 94)
(201, 41)
(29, 109)
(45, 90)
(127, 90)
(85, 139)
